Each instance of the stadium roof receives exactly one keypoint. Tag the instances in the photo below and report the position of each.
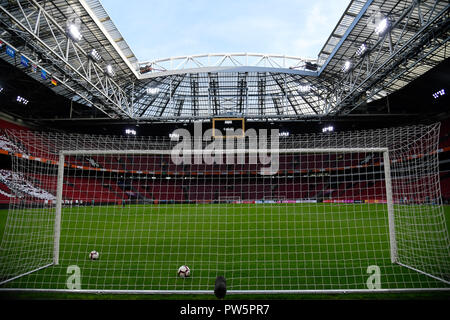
(377, 47)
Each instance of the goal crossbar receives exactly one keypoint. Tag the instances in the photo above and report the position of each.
(220, 151)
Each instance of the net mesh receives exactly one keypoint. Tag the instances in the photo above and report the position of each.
(319, 221)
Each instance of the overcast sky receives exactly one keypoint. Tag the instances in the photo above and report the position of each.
(161, 29)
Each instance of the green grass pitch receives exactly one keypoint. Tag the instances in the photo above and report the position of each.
(255, 246)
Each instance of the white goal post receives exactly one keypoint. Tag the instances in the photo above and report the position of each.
(339, 212)
(384, 151)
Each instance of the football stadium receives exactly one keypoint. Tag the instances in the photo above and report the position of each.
(250, 174)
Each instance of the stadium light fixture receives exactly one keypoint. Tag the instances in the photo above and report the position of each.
(74, 32)
(304, 88)
(130, 132)
(1, 89)
(361, 50)
(284, 134)
(22, 100)
(382, 26)
(439, 93)
(152, 91)
(328, 129)
(94, 55)
(110, 70)
(311, 66)
(347, 65)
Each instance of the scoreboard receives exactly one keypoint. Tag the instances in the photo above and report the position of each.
(229, 126)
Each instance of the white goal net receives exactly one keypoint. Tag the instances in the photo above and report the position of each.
(319, 212)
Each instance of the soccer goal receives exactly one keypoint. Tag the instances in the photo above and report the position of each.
(338, 212)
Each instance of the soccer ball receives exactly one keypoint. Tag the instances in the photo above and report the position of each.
(184, 272)
(93, 255)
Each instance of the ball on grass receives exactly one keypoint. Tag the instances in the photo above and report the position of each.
(93, 255)
(184, 271)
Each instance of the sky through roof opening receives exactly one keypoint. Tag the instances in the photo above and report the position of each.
(160, 29)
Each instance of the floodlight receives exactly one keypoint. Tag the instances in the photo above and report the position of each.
(382, 26)
(145, 69)
(22, 100)
(304, 88)
(361, 50)
(94, 55)
(153, 91)
(110, 70)
(74, 32)
(347, 65)
(130, 132)
(284, 134)
(1, 89)
(439, 93)
(328, 129)
(311, 66)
